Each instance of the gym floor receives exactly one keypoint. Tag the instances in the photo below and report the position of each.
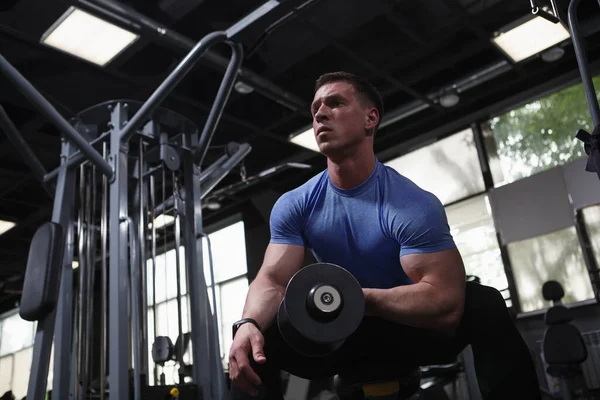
(483, 101)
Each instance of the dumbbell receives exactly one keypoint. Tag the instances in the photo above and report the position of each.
(323, 305)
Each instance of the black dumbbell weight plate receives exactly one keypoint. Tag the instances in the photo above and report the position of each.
(323, 304)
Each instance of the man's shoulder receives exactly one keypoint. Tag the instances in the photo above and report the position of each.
(305, 190)
(300, 197)
(402, 192)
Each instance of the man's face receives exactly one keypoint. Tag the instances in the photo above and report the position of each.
(340, 121)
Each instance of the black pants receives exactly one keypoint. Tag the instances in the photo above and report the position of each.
(503, 364)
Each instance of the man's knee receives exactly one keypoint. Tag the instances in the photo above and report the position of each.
(487, 298)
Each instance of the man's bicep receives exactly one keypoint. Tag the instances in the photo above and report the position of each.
(442, 269)
(285, 254)
(281, 262)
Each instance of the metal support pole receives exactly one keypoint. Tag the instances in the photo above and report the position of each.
(45, 108)
(118, 276)
(178, 273)
(167, 86)
(135, 317)
(216, 110)
(222, 171)
(215, 310)
(586, 78)
(77, 157)
(152, 203)
(205, 345)
(82, 295)
(60, 317)
(91, 275)
(104, 274)
(141, 205)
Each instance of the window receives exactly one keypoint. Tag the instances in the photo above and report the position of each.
(21, 369)
(553, 256)
(16, 334)
(6, 373)
(228, 247)
(449, 168)
(16, 351)
(538, 136)
(474, 233)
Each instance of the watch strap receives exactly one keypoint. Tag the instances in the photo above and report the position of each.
(243, 321)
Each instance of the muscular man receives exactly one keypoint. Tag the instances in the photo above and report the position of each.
(394, 238)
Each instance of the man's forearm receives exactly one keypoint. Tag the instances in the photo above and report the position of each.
(420, 305)
(262, 301)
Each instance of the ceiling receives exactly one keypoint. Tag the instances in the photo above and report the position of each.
(410, 50)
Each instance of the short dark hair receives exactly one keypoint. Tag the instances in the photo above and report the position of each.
(366, 90)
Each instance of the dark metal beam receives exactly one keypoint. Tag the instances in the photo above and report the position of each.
(405, 26)
(482, 35)
(430, 69)
(420, 52)
(392, 146)
(16, 175)
(367, 65)
(143, 83)
(15, 202)
(28, 129)
(33, 219)
(21, 146)
(10, 189)
(245, 125)
(121, 14)
(467, 20)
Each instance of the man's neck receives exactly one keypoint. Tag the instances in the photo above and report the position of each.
(349, 172)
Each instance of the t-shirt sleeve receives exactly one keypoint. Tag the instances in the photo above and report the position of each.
(423, 228)
(287, 221)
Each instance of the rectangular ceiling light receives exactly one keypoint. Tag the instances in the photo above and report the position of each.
(528, 37)
(6, 226)
(88, 37)
(306, 139)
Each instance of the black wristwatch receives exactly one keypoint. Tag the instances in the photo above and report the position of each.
(236, 325)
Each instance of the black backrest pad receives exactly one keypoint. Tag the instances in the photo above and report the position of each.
(558, 315)
(42, 276)
(563, 344)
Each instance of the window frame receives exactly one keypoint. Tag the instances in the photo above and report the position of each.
(208, 230)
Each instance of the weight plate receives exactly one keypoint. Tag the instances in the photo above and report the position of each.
(300, 344)
(349, 314)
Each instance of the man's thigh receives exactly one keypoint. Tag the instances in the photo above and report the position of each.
(281, 356)
(378, 341)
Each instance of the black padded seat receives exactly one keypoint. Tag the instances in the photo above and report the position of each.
(361, 382)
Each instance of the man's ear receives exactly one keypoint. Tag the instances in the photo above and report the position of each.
(372, 119)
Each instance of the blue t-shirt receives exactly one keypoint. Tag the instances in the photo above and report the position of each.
(364, 229)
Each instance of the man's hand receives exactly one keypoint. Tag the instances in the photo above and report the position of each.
(248, 340)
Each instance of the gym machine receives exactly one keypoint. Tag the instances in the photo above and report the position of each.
(563, 348)
(116, 158)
